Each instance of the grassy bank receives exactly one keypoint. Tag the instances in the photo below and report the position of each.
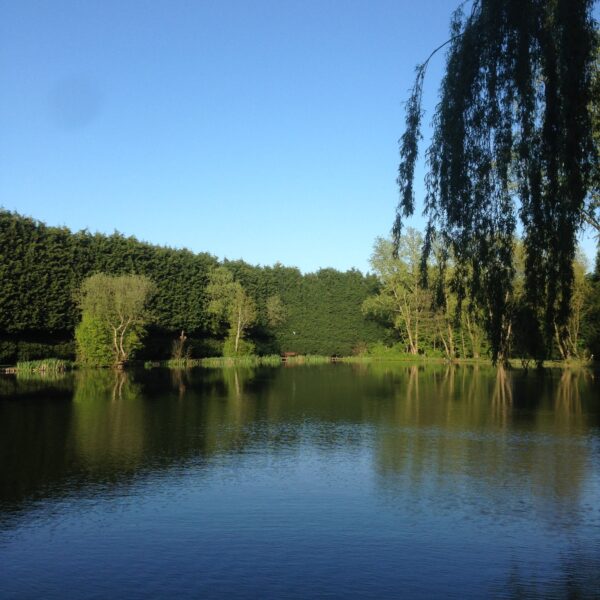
(272, 360)
(47, 365)
(55, 365)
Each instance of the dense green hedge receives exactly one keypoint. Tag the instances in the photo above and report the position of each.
(324, 313)
(42, 267)
(13, 351)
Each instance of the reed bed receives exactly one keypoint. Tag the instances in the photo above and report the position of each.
(46, 365)
(271, 360)
(308, 359)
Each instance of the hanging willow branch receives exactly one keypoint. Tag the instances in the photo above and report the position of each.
(511, 142)
(409, 142)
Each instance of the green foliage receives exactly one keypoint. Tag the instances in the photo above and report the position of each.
(591, 212)
(230, 304)
(402, 301)
(14, 350)
(512, 138)
(47, 365)
(241, 361)
(38, 350)
(307, 359)
(397, 352)
(276, 313)
(591, 312)
(175, 363)
(114, 316)
(94, 344)
(244, 347)
(8, 352)
(42, 268)
(324, 314)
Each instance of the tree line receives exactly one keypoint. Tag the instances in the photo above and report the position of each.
(419, 300)
(43, 269)
(108, 298)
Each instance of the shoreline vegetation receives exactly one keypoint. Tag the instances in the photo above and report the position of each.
(59, 366)
(112, 301)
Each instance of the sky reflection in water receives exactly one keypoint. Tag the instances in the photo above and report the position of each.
(335, 481)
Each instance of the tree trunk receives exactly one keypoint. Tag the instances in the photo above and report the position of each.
(473, 338)
(564, 352)
(450, 341)
(116, 343)
(238, 331)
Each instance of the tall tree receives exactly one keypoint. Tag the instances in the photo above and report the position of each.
(229, 302)
(592, 207)
(512, 139)
(114, 312)
(569, 345)
(401, 299)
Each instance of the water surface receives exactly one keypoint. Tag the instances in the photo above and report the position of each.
(332, 482)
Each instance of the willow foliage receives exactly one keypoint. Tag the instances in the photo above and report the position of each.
(512, 141)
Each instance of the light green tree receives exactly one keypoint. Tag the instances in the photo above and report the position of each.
(93, 342)
(569, 343)
(230, 304)
(457, 324)
(444, 307)
(401, 300)
(114, 313)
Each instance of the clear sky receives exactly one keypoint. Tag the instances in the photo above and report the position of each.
(254, 129)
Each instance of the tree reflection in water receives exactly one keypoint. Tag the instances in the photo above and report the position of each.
(511, 434)
(430, 429)
(502, 398)
(435, 457)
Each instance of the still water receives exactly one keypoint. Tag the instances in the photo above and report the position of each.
(340, 481)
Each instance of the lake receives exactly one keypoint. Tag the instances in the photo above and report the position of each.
(333, 481)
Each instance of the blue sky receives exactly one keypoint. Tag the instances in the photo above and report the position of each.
(262, 130)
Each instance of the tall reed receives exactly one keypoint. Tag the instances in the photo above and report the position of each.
(46, 365)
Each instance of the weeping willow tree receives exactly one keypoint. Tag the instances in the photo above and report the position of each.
(511, 142)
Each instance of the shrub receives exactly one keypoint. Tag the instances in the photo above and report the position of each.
(94, 347)
(245, 348)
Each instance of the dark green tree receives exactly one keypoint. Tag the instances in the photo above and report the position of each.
(42, 267)
(512, 140)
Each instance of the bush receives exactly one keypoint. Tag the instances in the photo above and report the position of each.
(48, 365)
(95, 346)
(245, 348)
(8, 352)
(93, 343)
